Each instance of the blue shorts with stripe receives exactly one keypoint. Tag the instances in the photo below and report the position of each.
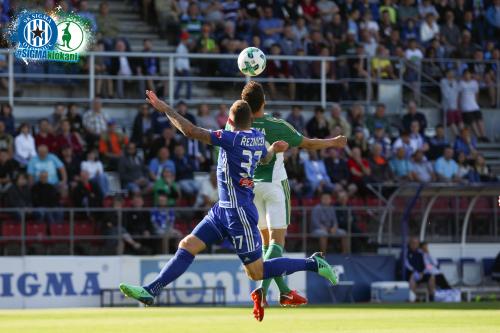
(239, 225)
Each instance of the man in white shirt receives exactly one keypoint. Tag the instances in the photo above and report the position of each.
(469, 90)
(429, 28)
(182, 66)
(449, 99)
(95, 122)
(122, 67)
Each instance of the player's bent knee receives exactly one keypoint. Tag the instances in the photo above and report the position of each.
(255, 271)
(192, 244)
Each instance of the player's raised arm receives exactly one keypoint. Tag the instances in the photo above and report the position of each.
(317, 144)
(276, 147)
(182, 124)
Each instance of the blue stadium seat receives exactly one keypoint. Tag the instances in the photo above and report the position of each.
(488, 265)
(444, 260)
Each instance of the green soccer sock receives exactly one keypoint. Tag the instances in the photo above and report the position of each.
(275, 251)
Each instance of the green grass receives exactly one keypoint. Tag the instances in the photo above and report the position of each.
(441, 318)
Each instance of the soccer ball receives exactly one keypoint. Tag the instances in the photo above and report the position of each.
(252, 61)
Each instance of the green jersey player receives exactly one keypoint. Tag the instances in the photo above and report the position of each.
(272, 192)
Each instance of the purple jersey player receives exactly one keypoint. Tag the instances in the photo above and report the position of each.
(234, 216)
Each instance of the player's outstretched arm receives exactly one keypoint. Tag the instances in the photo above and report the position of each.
(276, 147)
(182, 124)
(317, 144)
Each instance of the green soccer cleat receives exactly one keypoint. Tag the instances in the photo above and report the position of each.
(138, 293)
(324, 268)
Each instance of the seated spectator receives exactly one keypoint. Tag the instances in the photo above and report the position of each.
(413, 115)
(296, 119)
(87, 194)
(381, 66)
(45, 198)
(159, 163)
(122, 66)
(400, 165)
(324, 224)
(71, 165)
(359, 140)
(222, 116)
(466, 144)
(192, 21)
(83, 11)
(437, 144)
(493, 19)
(183, 66)
(295, 172)
(404, 142)
(279, 69)
(163, 219)
(159, 123)
(111, 145)
(168, 13)
(49, 163)
(95, 123)
(8, 171)
(142, 129)
(167, 139)
(407, 10)
(18, 195)
(55, 119)
(378, 119)
(107, 25)
(317, 126)
(316, 175)
(184, 172)
(469, 89)
(45, 136)
(432, 267)
(337, 120)
(7, 117)
(359, 168)
(205, 119)
(465, 171)
(381, 172)
(415, 268)
(208, 194)
(133, 172)
(380, 137)
(75, 119)
(446, 168)
(6, 140)
(337, 169)
(24, 145)
(421, 169)
(270, 27)
(67, 138)
(481, 171)
(449, 97)
(137, 222)
(166, 184)
(95, 169)
(228, 67)
(429, 29)
(417, 140)
(207, 44)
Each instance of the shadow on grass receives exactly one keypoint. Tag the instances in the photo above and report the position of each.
(416, 306)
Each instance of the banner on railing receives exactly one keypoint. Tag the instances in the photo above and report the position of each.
(73, 281)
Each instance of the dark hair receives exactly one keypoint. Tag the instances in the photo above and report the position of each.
(242, 114)
(253, 94)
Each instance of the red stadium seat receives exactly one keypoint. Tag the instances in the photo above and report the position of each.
(11, 229)
(310, 202)
(36, 233)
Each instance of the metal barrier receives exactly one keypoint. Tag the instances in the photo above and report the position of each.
(324, 79)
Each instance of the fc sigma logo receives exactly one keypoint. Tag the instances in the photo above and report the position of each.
(37, 31)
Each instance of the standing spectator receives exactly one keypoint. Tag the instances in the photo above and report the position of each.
(381, 172)
(123, 67)
(6, 140)
(142, 129)
(324, 224)
(414, 57)
(45, 195)
(437, 143)
(133, 172)
(68, 139)
(400, 165)
(469, 90)
(207, 44)
(107, 25)
(337, 120)
(295, 172)
(446, 168)
(165, 184)
(182, 65)
(111, 145)
(24, 145)
(160, 163)
(137, 221)
(49, 163)
(95, 123)
(184, 172)
(205, 119)
(208, 194)
(421, 169)
(317, 126)
(296, 119)
(45, 136)
(8, 119)
(316, 175)
(449, 97)
(95, 169)
(466, 144)
(493, 19)
(270, 27)
(413, 115)
(149, 66)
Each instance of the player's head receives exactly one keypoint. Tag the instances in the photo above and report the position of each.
(253, 94)
(240, 115)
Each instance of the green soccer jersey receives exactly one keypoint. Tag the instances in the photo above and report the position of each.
(274, 130)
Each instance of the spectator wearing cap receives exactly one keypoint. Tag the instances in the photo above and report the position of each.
(182, 65)
(6, 140)
(421, 168)
(112, 144)
(49, 163)
(400, 165)
(377, 118)
(45, 136)
(24, 145)
(270, 27)
(162, 161)
(380, 137)
(337, 120)
(133, 172)
(68, 139)
(317, 126)
(446, 168)
(95, 123)
(450, 90)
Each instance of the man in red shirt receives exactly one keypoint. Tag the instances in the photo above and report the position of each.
(358, 167)
(45, 136)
